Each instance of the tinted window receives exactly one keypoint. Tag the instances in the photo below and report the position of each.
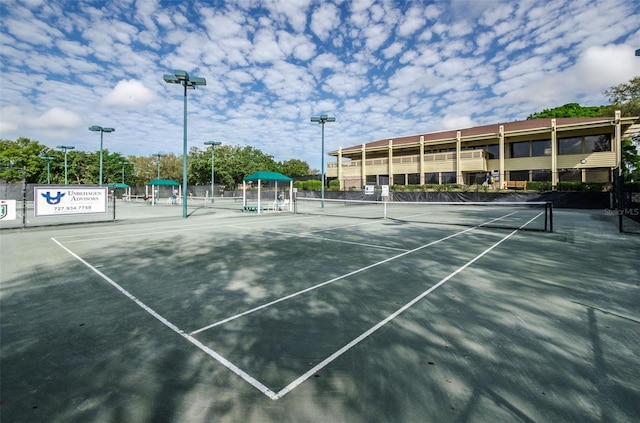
(570, 145)
(519, 149)
(541, 148)
(595, 143)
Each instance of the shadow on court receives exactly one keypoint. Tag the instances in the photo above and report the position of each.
(545, 327)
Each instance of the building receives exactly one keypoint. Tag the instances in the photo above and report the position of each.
(561, 149)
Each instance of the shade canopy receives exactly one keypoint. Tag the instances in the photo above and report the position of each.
(163, 182)
(267, 176)
(118, 185)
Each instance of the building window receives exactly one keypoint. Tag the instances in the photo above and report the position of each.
(493, 150)
(570, 145)
(398, 179)
(597, 143)
(541, 175)
(413, 179)
(383, 179)
(584, 145)
(601, 174)
(448, 177)
(372, 180)
(431, 178)
(569, 175)
(519, 175)
(519, 149)
(541, 148)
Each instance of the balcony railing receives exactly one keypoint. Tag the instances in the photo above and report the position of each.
(431, 157)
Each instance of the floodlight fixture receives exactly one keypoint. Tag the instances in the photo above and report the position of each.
(213, 147)
(322, 119)
(182, 77)
(102, 130)
(65, 148)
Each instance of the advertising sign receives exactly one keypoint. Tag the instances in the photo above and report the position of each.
(7, 209)
(64, 201)
(385, 190)
(369, 190)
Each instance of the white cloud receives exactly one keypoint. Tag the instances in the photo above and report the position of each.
(393, 50)
(9, 118)
(129, 93)
(324, 20)
(58, 117)
(265, 47)
(412, 21)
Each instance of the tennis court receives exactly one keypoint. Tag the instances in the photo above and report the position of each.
(240, 317)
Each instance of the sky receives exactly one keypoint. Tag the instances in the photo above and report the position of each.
(383, 69)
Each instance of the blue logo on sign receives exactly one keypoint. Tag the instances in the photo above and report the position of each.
(53, 200)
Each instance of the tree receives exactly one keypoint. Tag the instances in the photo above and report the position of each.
(568, 111)
(294, 167)
(625, 97)
(22, 153)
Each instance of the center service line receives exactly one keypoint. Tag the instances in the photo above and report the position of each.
(311, 288)
(362, 269)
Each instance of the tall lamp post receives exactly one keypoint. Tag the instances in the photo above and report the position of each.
(123, 165)
(159, 156)
(322, 119)
(213, 146)
(65, 148)
(48, 159)
(182, 77)
(102, 130)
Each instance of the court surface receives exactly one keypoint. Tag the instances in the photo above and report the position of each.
(237, 317)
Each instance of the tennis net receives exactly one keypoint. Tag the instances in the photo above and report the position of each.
(536, 216)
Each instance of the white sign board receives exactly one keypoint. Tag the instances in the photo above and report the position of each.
(385, 190)
(64, 201)
(368, 189)
(7, 209)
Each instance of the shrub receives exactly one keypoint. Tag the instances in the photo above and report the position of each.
(334, 185)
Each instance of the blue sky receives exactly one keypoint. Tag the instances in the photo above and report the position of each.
(384, 69)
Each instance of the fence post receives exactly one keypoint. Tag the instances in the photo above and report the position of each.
(24, 196)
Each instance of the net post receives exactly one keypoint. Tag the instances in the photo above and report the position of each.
(114, 202)
(549, 205)
(24, 196)
(384, 202)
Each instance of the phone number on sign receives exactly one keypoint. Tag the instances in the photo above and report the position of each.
(72, 208)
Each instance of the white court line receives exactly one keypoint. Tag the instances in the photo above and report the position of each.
(250, 379)
(392, 316)
(146, 232)
(314, 287)
(229, 365)
(304, 235)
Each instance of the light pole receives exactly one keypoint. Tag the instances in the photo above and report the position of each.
(213, 146)
(102, 130)
(48, 159)
(159, 156)
(65, 148)
(322, 119)
(181, 77)
(123, 165)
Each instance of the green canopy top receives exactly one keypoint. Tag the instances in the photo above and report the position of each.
(164, 182)
(118, 185)
(267, 176)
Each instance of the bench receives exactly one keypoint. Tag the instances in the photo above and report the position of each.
(516, 185)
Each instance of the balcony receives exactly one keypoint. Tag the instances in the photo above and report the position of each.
(470, 161)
